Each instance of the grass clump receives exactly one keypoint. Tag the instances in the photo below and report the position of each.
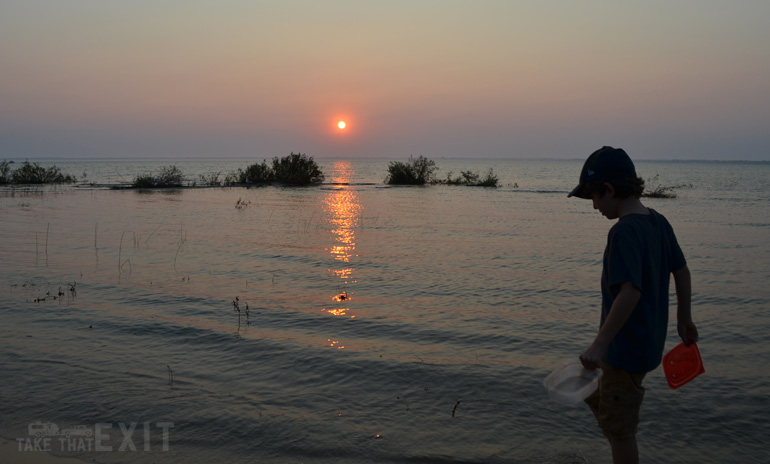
(656, 190)
(295, 169)
(33, 173)
(170, 176)
(416, 171)
(473, 179)
(211, 179)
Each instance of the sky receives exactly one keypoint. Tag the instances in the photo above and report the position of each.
(681, 79)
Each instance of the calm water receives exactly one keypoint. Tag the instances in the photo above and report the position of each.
(385, 325)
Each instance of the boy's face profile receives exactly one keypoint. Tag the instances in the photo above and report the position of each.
(606, 203)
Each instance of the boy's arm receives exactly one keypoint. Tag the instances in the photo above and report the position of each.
(622, 308)
(684, 324)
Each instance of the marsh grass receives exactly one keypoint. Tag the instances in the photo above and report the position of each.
(656, 190)
(237, 308)
(241, 203)
(421, 171)
(33, 173)
(211, 180)
(472, 179)
(168, 177)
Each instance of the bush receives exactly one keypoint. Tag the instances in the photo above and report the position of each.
(417, 171)
(170, 176)
(33, 173)
(297, 169)
(256, 174)
(5, 172)
(490, 181)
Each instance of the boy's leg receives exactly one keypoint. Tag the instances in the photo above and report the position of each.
(616, 407)
(624, 450)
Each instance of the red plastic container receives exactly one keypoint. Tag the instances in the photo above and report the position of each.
(682, 364)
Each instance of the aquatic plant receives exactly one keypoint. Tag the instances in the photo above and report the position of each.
(257, 173)
(210, 180)
(5, 172)
(33, 173)
(472, 179)
(294, 169)
(170, 176)
(659, 191)
(297, 169)
(237, 308)
(416, 171)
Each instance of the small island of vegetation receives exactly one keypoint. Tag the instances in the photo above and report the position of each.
(421, 171)
(296, 169)
(32, 173)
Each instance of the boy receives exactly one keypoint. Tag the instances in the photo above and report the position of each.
(641, 253)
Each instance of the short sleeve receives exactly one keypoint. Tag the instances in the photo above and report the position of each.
(676, 256)
(624, 258)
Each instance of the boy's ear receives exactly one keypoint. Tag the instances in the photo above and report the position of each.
(609, 189)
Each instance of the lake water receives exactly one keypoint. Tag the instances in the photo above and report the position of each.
(385, 324)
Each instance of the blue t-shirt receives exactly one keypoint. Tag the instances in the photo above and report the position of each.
(642, 249)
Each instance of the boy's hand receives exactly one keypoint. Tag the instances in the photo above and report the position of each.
(593, 357)
(688, 332)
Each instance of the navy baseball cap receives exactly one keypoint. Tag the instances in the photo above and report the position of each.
(604, 164)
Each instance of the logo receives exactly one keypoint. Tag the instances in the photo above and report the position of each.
(133, 436)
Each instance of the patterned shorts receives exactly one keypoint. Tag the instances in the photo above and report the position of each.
(616, 403)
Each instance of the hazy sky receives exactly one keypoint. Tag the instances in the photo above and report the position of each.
(674, 79)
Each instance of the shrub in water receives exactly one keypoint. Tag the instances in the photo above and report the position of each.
(170, 176)
(490, 181)
(297, 169)
(33, 173)
(5, 172)
(256, 174)
(416, 171)
(472, 179)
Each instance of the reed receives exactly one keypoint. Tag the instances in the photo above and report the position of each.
(241, 203)
(211, 179)
(472, 179)
(656, 190)
(168, 177)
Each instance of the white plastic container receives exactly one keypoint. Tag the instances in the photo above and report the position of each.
(571, 383)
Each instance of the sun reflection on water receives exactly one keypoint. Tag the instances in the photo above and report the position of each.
(343, 210)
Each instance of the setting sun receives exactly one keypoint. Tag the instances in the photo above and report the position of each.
(341, 124)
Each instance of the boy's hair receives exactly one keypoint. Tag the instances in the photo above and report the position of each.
(624, 187)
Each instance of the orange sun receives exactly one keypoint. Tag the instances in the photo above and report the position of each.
(341, 124)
